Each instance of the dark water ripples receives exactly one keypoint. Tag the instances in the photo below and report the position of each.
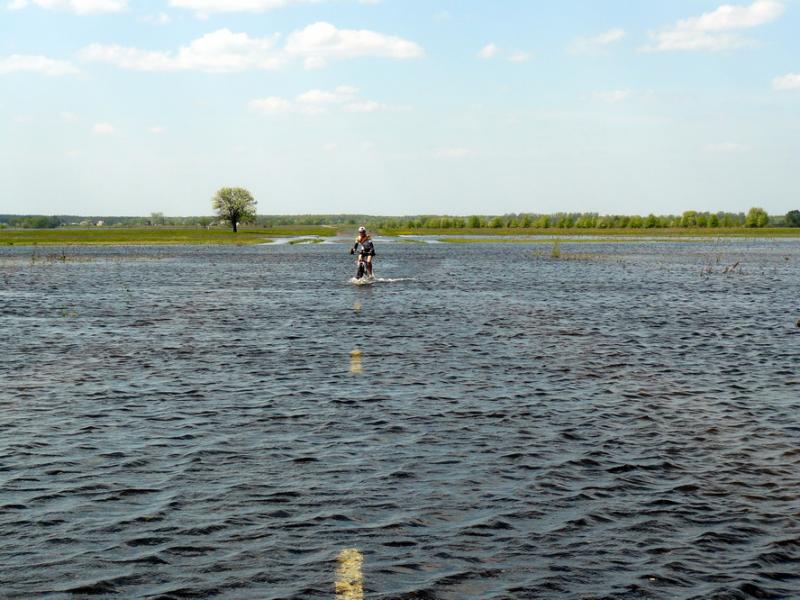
(620, 423)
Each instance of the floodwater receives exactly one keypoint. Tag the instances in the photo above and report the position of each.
(620, 422)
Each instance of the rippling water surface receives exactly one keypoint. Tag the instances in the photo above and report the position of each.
(619, 423)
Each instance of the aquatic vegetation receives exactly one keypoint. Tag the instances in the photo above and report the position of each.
(556, 253)
(305, 241)
(733, 268)
(717, 263)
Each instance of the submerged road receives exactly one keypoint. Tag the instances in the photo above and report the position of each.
(618, 422)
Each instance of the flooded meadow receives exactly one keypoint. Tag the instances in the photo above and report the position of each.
(489, 421)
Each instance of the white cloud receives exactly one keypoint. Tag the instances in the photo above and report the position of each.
(79, 7)
(341, 94)
(159, 19)
(728, 17)
(157, 130)
(224, 51)
(316, 102)
(321, 42)
(17, 63)
(271, 105)
(492, 51)
(206, 7)
(489, 51)
(726, 148)
(70, 117)
(612, 96)
(367, 106)
(598, 44)
(711, 31)
(102, 129)
(787, 82)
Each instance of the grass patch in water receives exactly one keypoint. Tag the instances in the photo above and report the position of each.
(557, 254)
(547, 240)
(294, 231)
(305, 241)
(402, 240)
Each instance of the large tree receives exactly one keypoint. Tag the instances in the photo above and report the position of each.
(793, 218)
(234, 205)
(756, 217)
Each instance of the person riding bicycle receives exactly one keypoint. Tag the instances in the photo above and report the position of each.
(367, 251)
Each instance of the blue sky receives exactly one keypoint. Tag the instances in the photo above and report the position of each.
(126, 107)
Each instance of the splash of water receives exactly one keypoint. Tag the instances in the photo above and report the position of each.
(373, 280)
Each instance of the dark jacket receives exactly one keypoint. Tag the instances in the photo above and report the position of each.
(367, 247)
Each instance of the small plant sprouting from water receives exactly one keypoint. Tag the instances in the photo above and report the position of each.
(732, 269)
(50, 258)
(557, 254)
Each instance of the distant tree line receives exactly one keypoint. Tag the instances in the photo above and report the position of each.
(54, 221)
(755, 217)
(31, 222)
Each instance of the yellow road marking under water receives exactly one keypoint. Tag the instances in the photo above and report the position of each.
(355, 362)
(349, 579)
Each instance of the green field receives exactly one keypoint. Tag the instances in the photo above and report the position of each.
(122, 236)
